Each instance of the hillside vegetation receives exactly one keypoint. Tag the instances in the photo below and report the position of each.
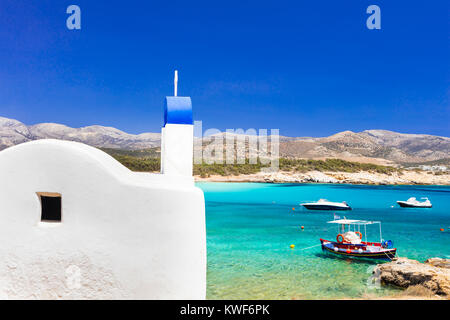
(146, 160)
(149, 160)
(332, 165)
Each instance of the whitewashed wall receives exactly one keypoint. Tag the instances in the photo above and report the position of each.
(177, 152)
(122, 235)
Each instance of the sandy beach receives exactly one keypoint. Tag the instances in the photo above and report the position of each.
(407, 177)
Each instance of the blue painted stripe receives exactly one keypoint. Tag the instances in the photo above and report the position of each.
(178, 110)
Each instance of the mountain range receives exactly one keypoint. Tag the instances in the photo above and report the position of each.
(378, 146)
(13, 132)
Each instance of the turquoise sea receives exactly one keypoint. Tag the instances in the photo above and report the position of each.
(250, 227)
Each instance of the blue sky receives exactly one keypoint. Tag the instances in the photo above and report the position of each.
(309, 68)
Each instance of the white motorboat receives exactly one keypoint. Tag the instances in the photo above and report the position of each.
(324, 204)
(414, 203)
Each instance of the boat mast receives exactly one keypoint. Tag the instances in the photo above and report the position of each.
(381, 238)
(365, 232)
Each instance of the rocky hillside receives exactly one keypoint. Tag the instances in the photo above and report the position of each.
(13, 132)
(378, 146)
(370, 144)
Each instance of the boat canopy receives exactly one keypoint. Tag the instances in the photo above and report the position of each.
(356, 226)
(353, 222)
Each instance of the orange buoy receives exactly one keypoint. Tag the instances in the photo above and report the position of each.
(302, 227)
(349, 251)
(292, 246)
(359, 233)
(441, 229)
(340, 238)
(293, 209)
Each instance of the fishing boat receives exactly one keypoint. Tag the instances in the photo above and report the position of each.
(349, 242)
(324, 204)
(414, 203)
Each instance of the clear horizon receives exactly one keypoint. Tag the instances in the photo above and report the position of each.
(308, 69)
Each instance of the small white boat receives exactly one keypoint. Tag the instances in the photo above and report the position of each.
(324, 204)
(414, 203)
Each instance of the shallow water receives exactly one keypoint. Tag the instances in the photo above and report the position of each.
(250, 227)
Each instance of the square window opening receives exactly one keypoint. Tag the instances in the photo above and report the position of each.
(50, 206)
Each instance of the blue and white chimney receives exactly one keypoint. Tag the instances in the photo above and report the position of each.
(177, 135)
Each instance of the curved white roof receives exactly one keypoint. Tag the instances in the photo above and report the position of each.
(39, 148)
(48, 154)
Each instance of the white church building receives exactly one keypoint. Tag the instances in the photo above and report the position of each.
(76, 224)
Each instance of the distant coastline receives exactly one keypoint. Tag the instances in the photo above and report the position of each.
(367, 178)
(294, 171)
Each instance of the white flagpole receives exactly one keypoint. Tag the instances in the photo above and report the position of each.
(175, 82)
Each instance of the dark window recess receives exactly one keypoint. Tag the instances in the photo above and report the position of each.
(51, 209)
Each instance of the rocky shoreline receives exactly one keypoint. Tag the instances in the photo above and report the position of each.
(404, 178)
(433, 275)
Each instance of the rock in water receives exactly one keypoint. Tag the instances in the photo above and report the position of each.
(434, 274)
(438, 262)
